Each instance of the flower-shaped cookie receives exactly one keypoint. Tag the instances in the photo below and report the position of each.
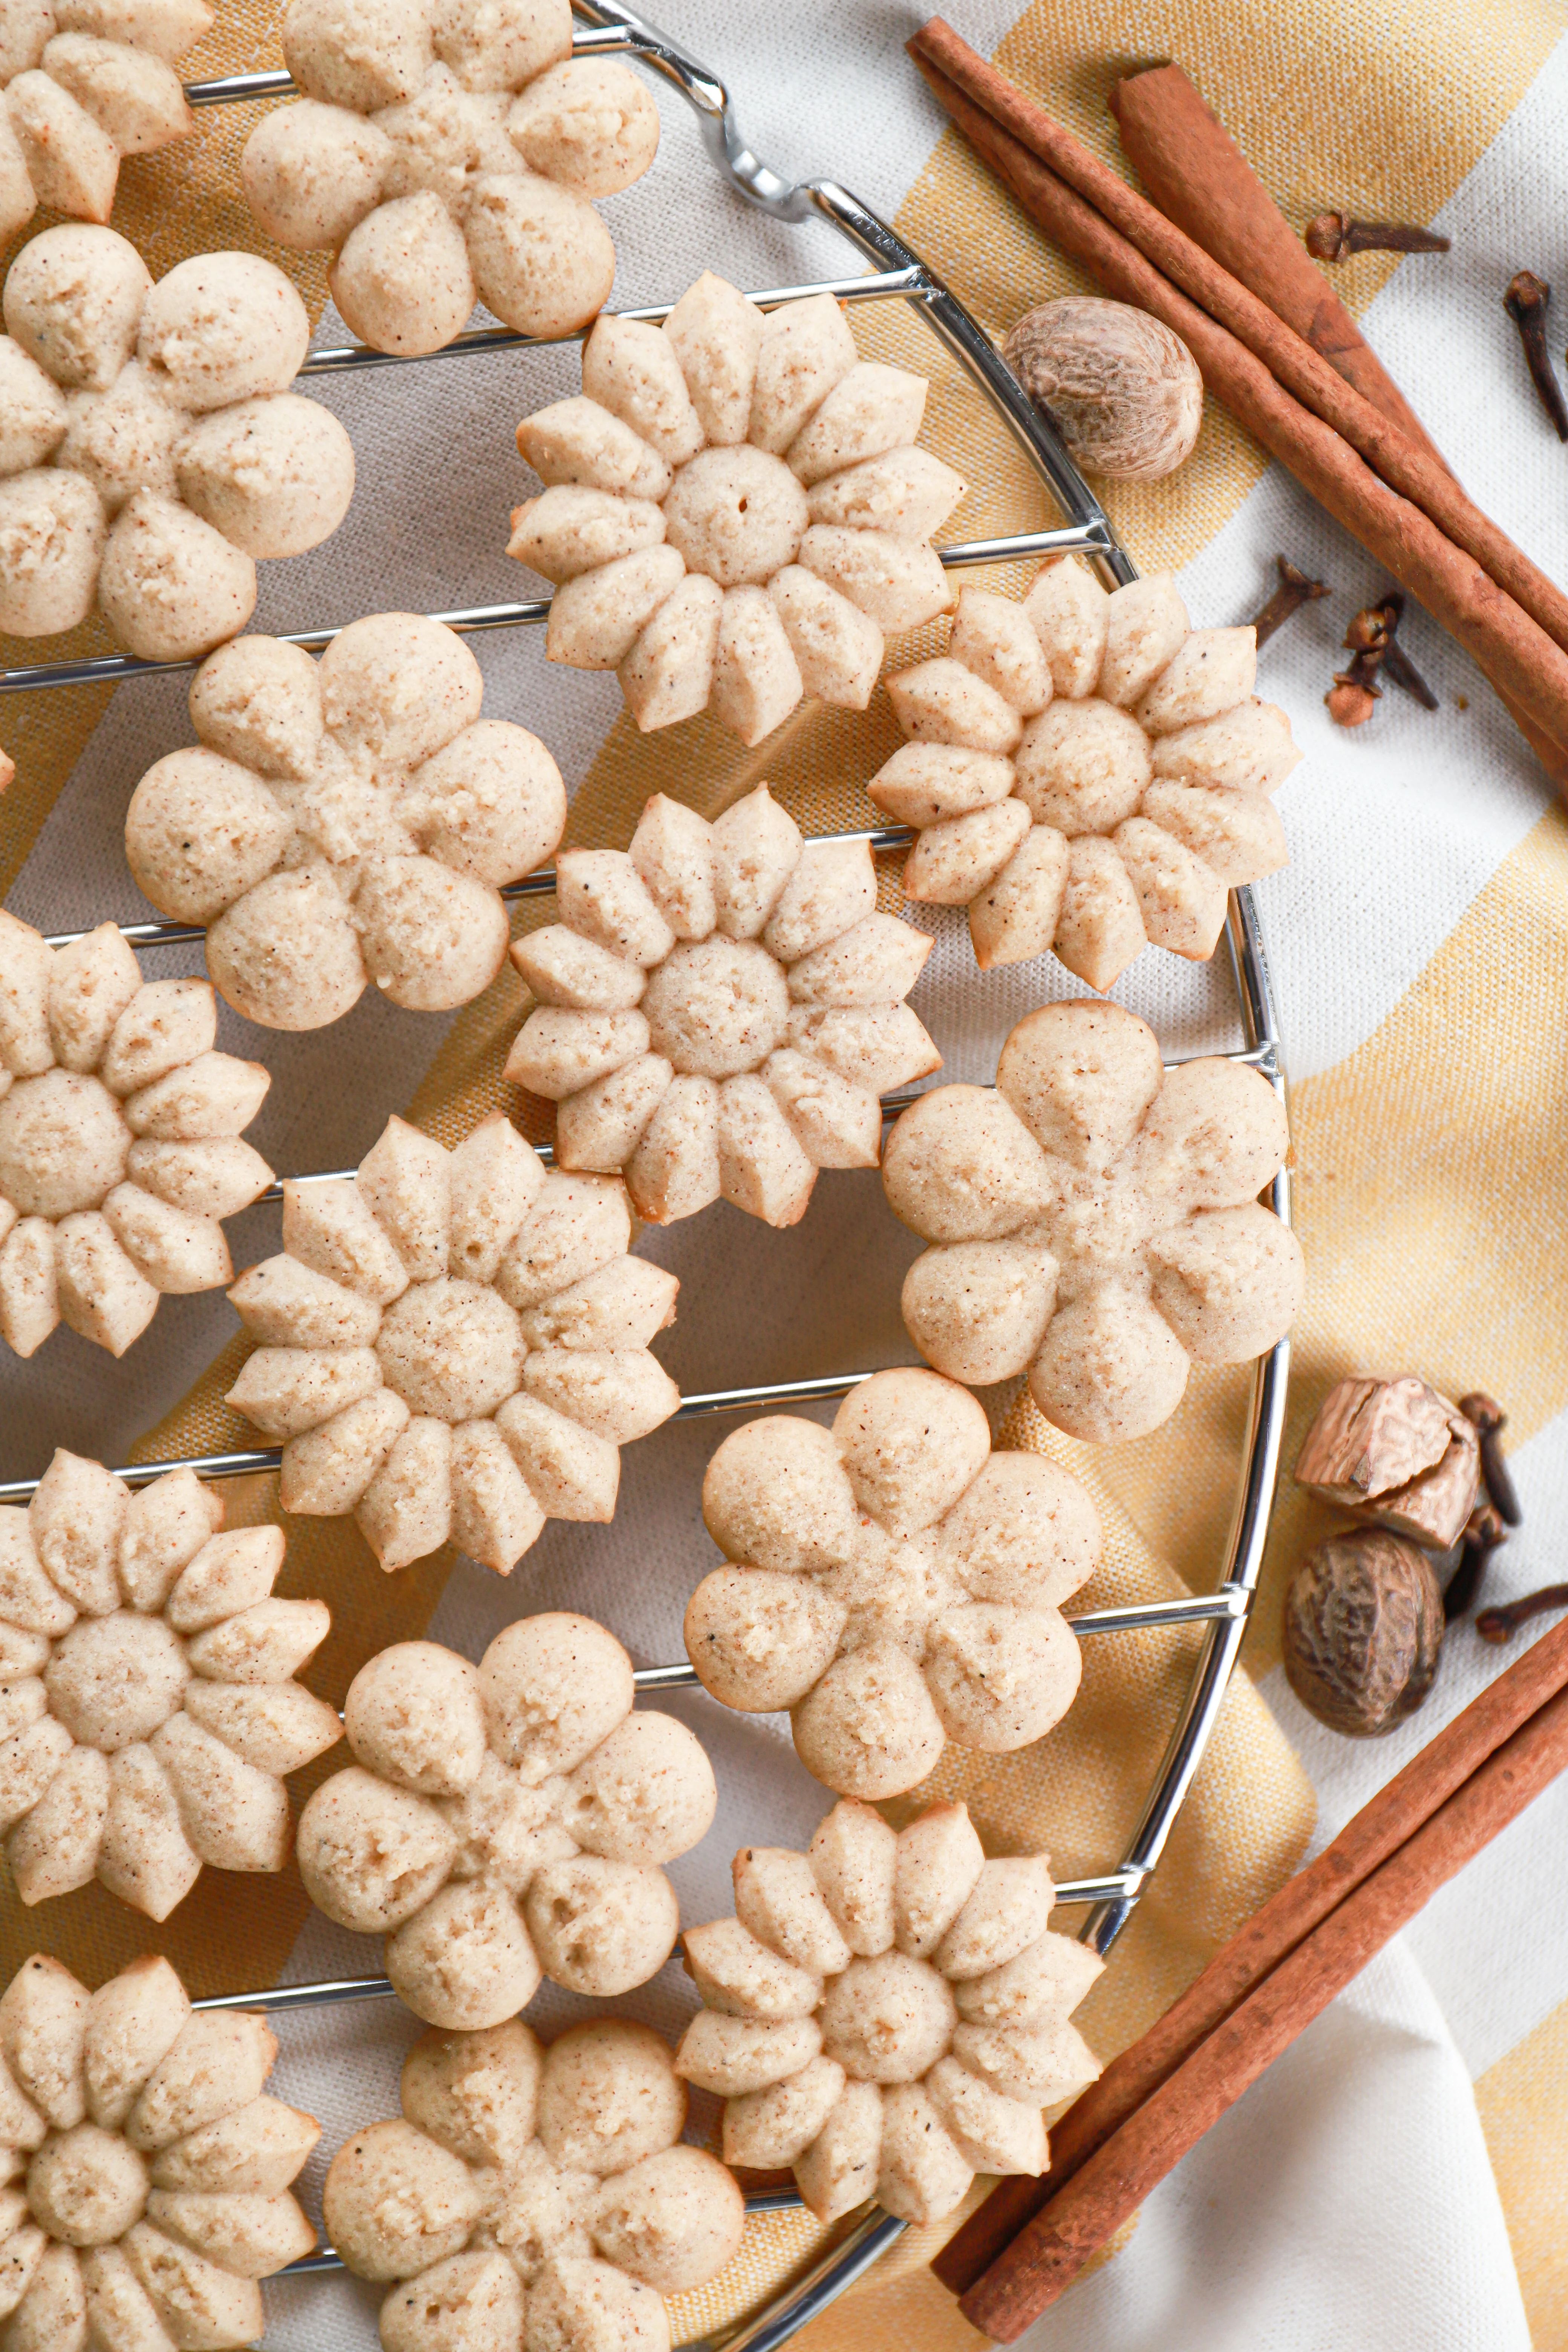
(454, 1345)
(1095, 1221)
(735, 510)
(120, 1139)
(149, 1707)
(149, 2168)
(1087, 773)
(150, 445)
(445, 154)
(346, 820)
(507, 1819)
(896, 1583)
(719, 1010)
(84, 82)
(887, 2014)
(529, 2195)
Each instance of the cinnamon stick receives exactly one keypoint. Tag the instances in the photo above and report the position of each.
(1200, 179)
(1523, 661)
(1397, 1810)
(1051, 2250)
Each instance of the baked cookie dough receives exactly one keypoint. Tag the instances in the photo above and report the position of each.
(83, 82)
(719, 1010)
(150, 446)
(1095, 1221)
(1087, 773)
(506, 1821)
(120, 1140)
(895, 1584)
(529, 2195)
(735, 510)
(446, 156)
(454, 1345)
(150, 2169)
(887, 2014)
(345, 821)
(149, 1708)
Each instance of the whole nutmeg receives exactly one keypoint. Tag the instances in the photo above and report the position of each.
(1122, 389)
(1364, 1625)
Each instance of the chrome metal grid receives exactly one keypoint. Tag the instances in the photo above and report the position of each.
(897, 272)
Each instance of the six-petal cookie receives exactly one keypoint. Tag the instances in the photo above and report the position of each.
(149, 2168)
(150, 445)
(1087, 773)
(889, 2014)
(149, 1708)
(1095, 1221)
(120, 1139)
(895, 1583)
(446, 153)
(735, 511)
(506, 1821)
(343, 822)
(529, 2195)
(83, 84)
(719, 1010)
(454, 1344)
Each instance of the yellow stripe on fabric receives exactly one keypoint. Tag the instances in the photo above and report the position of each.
(1523, 2105)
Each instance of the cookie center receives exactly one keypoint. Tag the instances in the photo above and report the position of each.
(113, 1680)
(716, 1007)
(451, 1349)
(87, 2187)
(736, 514)
(887, 2020)
(63, 1144)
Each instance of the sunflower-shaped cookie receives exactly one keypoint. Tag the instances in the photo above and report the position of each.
(895, 1583)
(445, 154)
(150, 2170)
(506, 1821)
(1087, 773)
(719, 1010)
(150, 445)
(345, 821)
(735, 511)
(149, 1708)
(120, 1140)
(529, 2195)
(887, 2014)
(85, 83)
(454, 1345)
(1095, 1221)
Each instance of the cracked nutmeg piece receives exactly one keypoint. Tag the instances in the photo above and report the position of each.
(718, 1009)
(895, 1583)
(149, 2167)
(150, 445)
(149, 1707)
(444, 155)
(888, 2013)
(83, 82)
(735, 510)
(1095, 1221)
(121, 1143)
(1396, 1454)
(533, 2196)
(506, 1821)
(454, 1345)
(1087, 773)
(345, 822)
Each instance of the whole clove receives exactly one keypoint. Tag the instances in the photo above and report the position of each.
(1334, 237)
(1526, 301)
(1490, 1421)
(1371, 642)
(1294, 590)
(1484, 1531)
(1502, 1623)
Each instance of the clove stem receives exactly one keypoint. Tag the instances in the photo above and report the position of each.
(1334, 237)
(1501, 1625)
(1294, 590)
(1484, 1531)
(1525, 302)
(1488, 1420)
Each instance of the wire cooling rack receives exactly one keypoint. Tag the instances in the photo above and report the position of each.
(897, 273)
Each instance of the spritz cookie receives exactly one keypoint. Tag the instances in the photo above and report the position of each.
(83, 82)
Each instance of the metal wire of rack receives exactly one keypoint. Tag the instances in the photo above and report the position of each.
(897, 272)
